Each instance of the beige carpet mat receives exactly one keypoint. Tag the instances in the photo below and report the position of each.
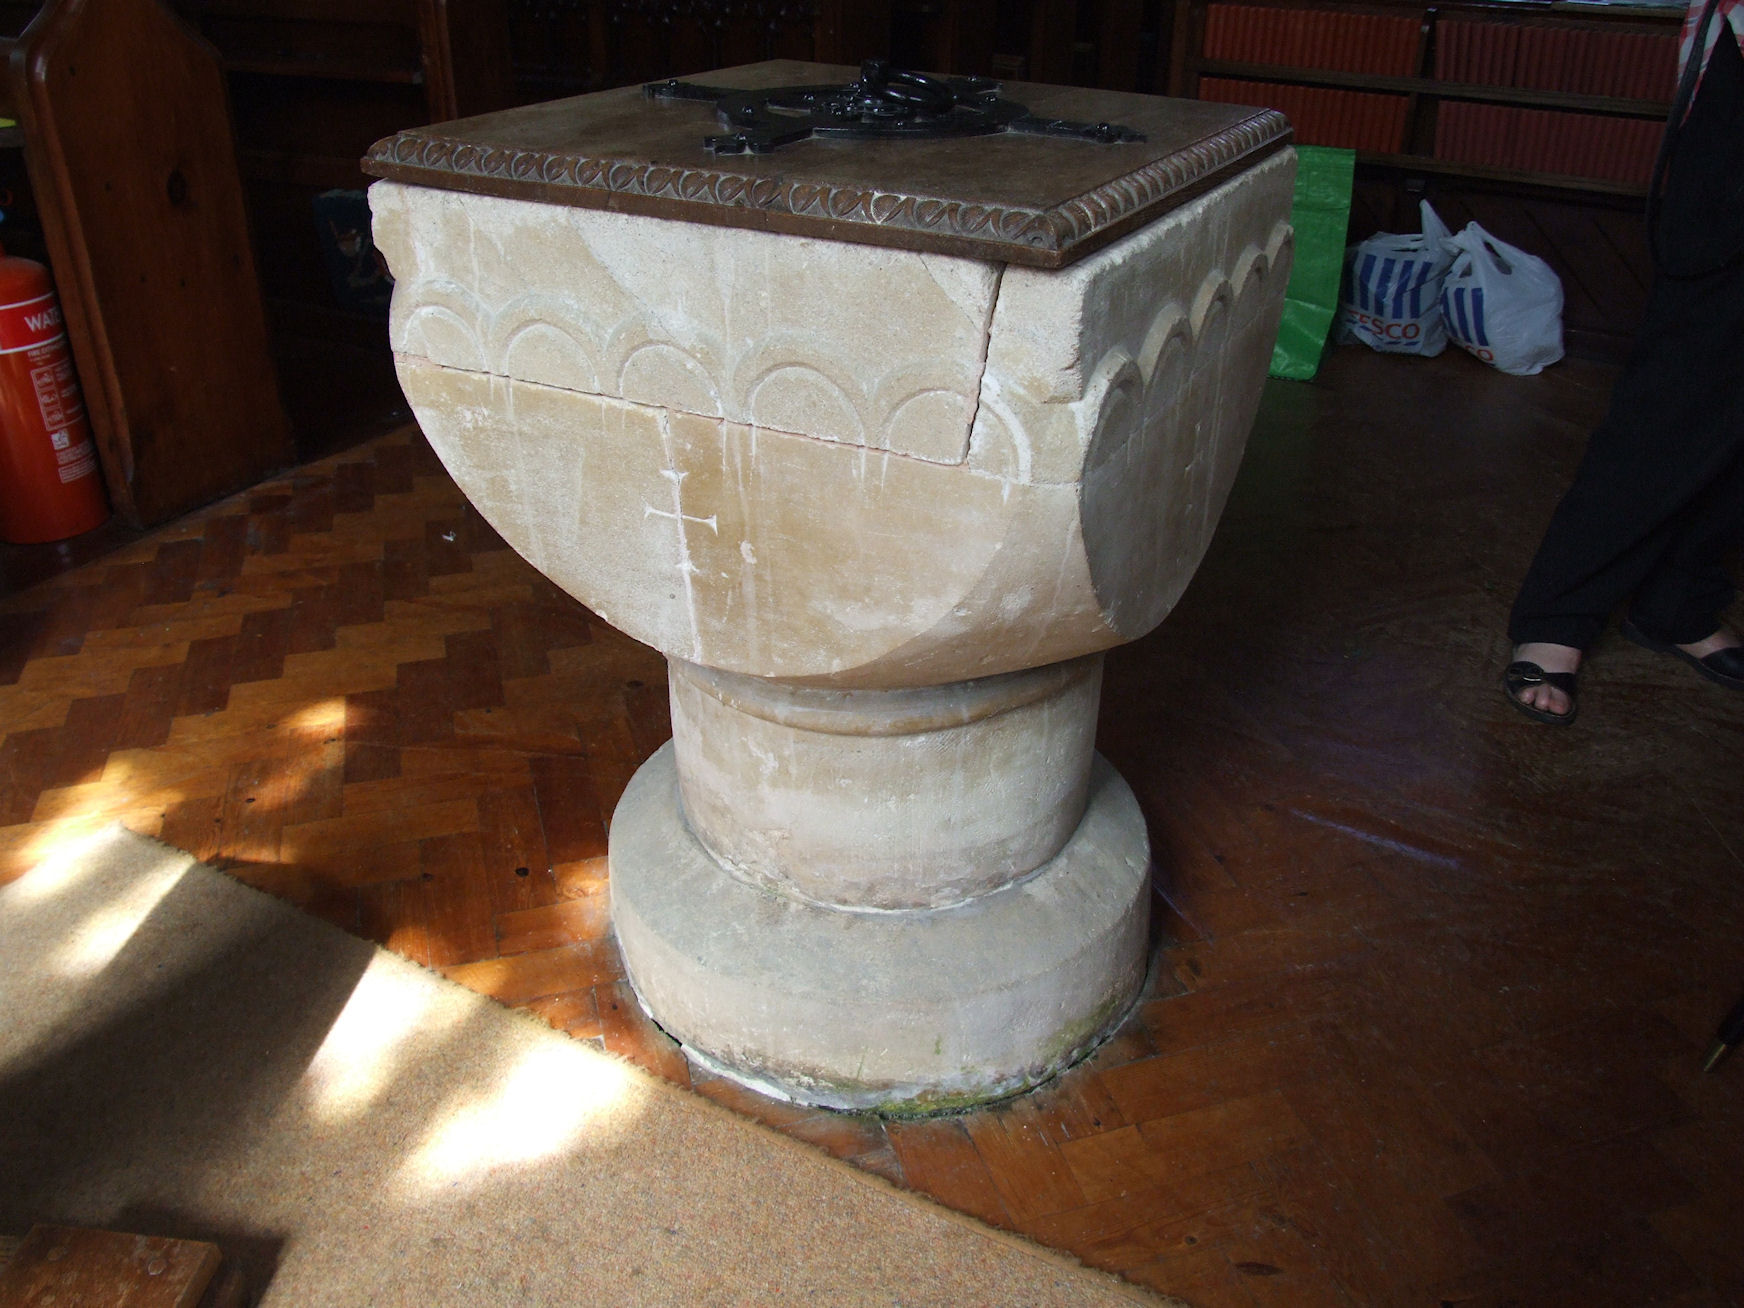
(181, 1055)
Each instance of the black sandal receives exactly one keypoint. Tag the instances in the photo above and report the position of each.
(1521, 676)
(1725, 666)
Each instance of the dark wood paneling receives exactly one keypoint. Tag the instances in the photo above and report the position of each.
(129, 145)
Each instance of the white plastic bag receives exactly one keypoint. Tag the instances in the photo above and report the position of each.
(1392, 290)
(1502, 304)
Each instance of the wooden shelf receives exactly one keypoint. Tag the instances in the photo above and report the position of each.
(1601, 12)
(1427, 164)
(1443, 40)
(1305, 76)
(1604, 104)
(1517, 148)
(1598, 104)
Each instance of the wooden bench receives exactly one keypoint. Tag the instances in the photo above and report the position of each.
(127, 138)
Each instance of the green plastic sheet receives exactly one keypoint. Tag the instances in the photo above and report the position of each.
(1320, 213)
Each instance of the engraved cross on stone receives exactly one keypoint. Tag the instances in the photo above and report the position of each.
(679, 516)
(686, 568)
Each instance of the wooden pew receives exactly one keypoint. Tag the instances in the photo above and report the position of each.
(127, 140)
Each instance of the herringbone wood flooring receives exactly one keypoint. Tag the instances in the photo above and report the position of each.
(1431, 986)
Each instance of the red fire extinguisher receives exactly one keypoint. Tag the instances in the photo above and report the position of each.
(49, 484)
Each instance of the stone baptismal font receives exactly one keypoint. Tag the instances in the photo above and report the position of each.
(881, 440)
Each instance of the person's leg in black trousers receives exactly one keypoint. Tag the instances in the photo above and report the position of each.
(1660, 494)
(1682, 598)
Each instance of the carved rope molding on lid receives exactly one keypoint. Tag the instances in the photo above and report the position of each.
(417, 157)
(1089, 213)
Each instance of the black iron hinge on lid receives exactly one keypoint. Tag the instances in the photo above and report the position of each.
(885, 104)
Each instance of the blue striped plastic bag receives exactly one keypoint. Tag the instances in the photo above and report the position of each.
(1502, 304)
(1392, 290)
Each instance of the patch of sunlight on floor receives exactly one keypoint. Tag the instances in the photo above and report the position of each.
(368, 1042)
(62, 854)
(558, 1095)
(92, 943)
(325, 715)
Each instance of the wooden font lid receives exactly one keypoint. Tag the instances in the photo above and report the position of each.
(1008, 198)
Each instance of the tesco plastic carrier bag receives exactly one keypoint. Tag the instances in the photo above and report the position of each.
(1392, 290)
(1502, 304)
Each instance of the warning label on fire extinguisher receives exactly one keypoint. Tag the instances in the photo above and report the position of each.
(50, 488)
(56, 394)
(34, 329)
(74, 461)
(29, 323)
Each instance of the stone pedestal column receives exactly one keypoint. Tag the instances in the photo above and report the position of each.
(886, 899)
(885, 799)
(882, 509)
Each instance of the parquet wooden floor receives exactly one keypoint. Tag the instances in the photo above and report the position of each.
(1431, 985)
